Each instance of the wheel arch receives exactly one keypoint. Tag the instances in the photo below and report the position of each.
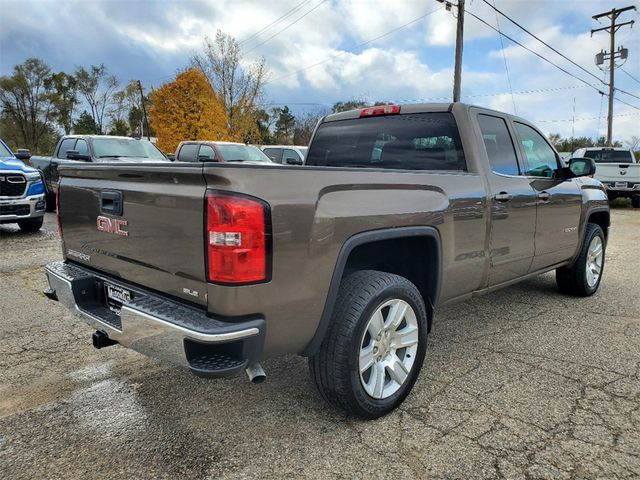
(392, 251)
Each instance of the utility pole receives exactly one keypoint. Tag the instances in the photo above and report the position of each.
(457, 74)
(611, 55)
(144, 109)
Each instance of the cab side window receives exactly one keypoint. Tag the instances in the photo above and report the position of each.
(499, 145)
(66, 145)
(188, 152)
(82, 147)
(275, 154)
(541, 158)
(207, 151)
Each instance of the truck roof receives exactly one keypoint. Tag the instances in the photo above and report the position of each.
(419, 108)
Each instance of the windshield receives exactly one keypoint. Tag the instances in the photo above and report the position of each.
(4, 150)
(242, 153)
(125, 147)
(609, 156)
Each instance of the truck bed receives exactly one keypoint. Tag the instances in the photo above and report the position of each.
(313, 212)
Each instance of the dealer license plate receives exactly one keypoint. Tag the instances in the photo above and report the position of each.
(621, 184)
(116, 297)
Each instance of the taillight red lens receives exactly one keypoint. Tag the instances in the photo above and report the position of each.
(58, 213)
(236, 239)
(380, 110)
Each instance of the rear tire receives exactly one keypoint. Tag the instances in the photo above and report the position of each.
(583, 277)
(379, 320)
(31, 225)
(635, 201)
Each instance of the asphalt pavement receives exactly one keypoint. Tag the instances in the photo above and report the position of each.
(522, 383)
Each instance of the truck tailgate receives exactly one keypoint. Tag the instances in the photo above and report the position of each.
(140, 223)
(614, 172)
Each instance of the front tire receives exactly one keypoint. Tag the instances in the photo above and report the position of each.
(31, 225)
(583, 277)
(374, 348)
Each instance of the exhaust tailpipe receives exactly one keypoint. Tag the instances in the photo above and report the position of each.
(101, 340)
(256, 373)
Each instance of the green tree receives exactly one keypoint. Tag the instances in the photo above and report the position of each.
(98, 88)
(86, 125)
(285, 126)
(119, 127)
(25, 101)
(64, 97)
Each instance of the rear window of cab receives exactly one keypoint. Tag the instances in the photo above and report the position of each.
(420, 141)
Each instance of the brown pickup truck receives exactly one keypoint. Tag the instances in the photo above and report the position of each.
(398, 211)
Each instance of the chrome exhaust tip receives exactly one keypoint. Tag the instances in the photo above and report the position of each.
(256, 373)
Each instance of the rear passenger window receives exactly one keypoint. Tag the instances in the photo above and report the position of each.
(499, 145)
(188, 152)
(420, 141)
(275, 154)
(81, 147)
(66, 145)
(207, 151)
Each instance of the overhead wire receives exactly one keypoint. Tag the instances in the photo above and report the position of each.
(328, 59)
(287, 14)
(534, 52)
(286, 28)
(504, 58)
(541, 41)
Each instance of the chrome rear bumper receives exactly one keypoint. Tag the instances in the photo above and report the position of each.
(156, 326)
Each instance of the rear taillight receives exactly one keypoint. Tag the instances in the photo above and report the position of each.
(237, 239)
(380, 110)
(58, 213)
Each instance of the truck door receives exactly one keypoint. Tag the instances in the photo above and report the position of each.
(512, 204)
(559, 203)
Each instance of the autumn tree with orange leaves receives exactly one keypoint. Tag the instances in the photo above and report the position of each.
(187, 109)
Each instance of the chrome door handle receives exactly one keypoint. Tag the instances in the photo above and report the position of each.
(503, 197)
(544, 196)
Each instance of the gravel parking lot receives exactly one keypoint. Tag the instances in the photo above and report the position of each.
(523, 383)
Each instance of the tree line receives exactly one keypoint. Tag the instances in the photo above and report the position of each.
(216, 96)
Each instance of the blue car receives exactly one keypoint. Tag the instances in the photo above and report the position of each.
(21, 192)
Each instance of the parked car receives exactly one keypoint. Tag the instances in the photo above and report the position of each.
(222, 152)
(286, 154)
(92, 148)
(617, 170)
(21, 191)
(344, 261)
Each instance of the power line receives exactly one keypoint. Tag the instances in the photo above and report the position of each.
(504, 57)
(542, 41)
(628, 104)
(634, 78)
(285, 28)
(277, 20)
(626, 93)
(356, 47)
(536, 53)
(585, 118)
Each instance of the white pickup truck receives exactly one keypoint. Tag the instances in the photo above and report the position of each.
(617, 169)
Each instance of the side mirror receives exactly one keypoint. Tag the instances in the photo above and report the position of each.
(23, 154)
(582, 167)
(292, 161)
(75, 155)
(171, 156)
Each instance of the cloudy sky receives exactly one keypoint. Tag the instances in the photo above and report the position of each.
(324, 51)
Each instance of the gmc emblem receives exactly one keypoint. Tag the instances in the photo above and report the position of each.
(112, 225)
